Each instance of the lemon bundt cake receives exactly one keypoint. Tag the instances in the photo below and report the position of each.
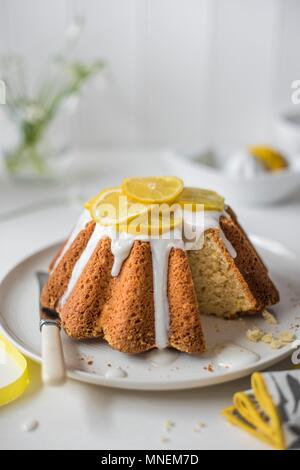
(141, 280)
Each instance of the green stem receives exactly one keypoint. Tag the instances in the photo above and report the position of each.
(26, 154)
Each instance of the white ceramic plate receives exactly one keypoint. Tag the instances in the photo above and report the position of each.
(230, 355)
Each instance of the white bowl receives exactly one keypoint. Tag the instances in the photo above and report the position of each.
(287, 128)
(263, 189)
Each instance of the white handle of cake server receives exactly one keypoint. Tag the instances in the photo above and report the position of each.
(53, 364)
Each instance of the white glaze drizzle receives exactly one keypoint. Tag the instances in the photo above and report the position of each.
(160, 250)
(120, 248)
(228, 245)
(116, 373)
(121, 245)
(162, 358)
(231, 356)
(98, 233)
(210, 220)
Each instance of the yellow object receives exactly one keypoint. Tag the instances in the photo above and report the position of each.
(112, 207)
(149, 206)
(12, 391)
(258, 417)
(211, 200)
(153, 189)
(152, 223)
(269, 158)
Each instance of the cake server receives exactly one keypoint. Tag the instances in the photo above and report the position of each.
(53, 364)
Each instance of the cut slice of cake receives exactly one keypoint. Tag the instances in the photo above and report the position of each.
(230, 285)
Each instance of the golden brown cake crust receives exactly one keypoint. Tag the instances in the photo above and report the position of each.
(120, 309)
(249, 263)
(59, 278)
(185, 331)
(81, 311)
(127, 318)
(56, 256)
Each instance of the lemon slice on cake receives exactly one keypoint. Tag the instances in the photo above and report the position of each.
(112, 207)
(151, 224)
(153, 189)
(147, 206)
(211, 200)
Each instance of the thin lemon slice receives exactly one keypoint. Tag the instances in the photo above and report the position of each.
(112, 207)
(151, 224)
(269, 158)
(153, 189)
(211, 200)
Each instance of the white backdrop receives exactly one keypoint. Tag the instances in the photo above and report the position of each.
(183, 72)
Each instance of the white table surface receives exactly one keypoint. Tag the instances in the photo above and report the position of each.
(81, 416)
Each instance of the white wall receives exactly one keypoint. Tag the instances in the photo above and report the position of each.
(183, 72)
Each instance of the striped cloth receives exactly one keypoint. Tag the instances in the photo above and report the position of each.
(271, 409)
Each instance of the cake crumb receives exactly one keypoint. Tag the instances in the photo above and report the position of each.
(267, 338)
(199, 425)
(30, 425)
(287, 337)
(164, 439)
(269, 317)
(255, 335)
(276, 344)
(168, 424)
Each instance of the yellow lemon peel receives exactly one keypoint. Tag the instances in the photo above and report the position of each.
(211, 200)
(271, 159)
(153, 189)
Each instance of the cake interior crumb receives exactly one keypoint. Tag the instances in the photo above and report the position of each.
(199, 425)
(257, 335)
(269, 317)
(168, 424)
